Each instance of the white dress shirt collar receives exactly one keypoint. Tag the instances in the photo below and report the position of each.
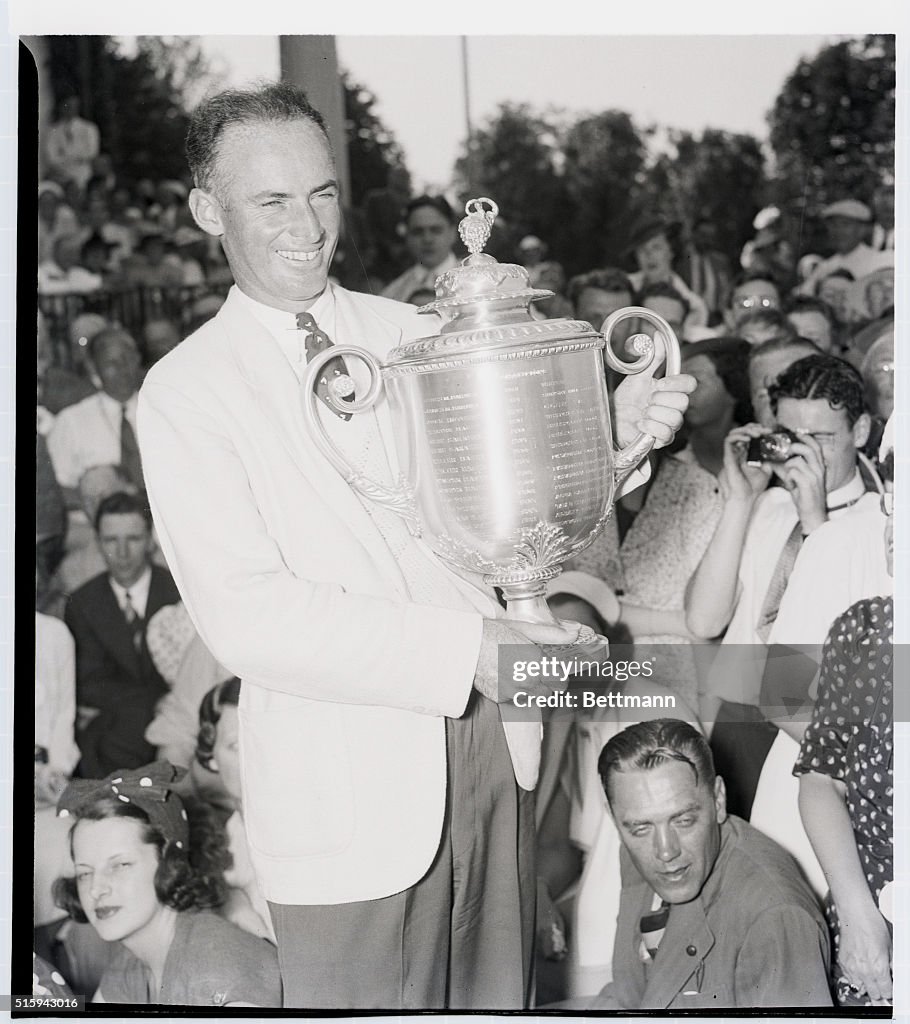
(282, 326)
(139, 592)
(852, 491)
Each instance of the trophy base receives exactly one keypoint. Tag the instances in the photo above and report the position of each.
(533, 607)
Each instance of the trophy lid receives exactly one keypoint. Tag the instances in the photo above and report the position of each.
(484, 302)
(481, 280)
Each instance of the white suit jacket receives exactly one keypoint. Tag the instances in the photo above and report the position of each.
(290, 584)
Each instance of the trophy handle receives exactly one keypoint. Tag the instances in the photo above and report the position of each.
(626, 459)
(400, 499)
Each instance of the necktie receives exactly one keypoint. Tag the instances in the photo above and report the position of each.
(133, 620)
(778, 585)
(652, 927)
(317, 341)
(130, 461)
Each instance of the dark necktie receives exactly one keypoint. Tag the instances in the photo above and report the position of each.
(652, 927)
(317, 341)
(130, 462)
(133, 620)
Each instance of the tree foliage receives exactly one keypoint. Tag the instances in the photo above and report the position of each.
(139, 97)
(374, 154)
(716, 175)
(583, 185)
(832, 126)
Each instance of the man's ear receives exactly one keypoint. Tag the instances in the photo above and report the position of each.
(861, 430)
(720, 800)
(207, 212)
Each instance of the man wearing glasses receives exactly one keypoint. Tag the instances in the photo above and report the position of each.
(751, 292)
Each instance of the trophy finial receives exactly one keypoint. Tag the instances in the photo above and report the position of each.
(476, 226)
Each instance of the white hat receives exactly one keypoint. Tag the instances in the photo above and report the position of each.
(530, 242)
(851, 208)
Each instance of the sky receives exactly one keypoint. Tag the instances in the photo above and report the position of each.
(690, 82)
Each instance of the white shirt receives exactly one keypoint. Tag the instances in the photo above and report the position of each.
(418, 276)
(840, 563)
(87, 434)
(859, 262)
(736, 673)
(139, 592)
(77, 280)
(55, 693)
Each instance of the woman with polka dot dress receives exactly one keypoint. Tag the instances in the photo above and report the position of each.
(145, 880)
(845, 768)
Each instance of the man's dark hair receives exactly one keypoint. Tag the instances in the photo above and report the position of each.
(822, 376)
(779, 344)
(660, 289)
(271, 103)
(730, 359)
(607, 279)
(650, 744)
(754, 275)
(107, 334)
(121, 503)
(438, 203)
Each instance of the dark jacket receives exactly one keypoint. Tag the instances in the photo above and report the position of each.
(114, 676)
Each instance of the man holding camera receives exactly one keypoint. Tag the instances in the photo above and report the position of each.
(812, 450)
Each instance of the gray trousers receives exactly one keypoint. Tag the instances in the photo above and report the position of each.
(463, 936)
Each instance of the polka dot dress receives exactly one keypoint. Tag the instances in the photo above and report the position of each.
(851, 736)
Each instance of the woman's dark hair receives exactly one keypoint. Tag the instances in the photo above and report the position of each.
(191, 879)
(226, 693)
(730, 358)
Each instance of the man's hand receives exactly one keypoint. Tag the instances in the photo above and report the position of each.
(738, 480)
(656, 407)
(864, 955)
(511, 631)
(803, 474)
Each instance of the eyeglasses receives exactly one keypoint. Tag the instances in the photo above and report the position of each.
(887, 503)
(757, 302)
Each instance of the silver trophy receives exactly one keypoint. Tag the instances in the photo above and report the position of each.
(502, 425)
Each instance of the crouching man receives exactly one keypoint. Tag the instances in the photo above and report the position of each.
(712, 912)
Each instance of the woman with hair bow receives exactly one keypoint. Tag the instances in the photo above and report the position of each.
(141, 881)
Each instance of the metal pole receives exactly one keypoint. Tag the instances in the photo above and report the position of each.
(467, 112)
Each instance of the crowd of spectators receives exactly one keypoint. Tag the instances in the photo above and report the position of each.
(720, 552)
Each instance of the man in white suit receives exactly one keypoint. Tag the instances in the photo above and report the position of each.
(388, 811)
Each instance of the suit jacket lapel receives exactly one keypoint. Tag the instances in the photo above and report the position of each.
(118, 637)
(687, 929)
(264, 366)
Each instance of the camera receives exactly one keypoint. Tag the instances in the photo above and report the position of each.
(770, 447)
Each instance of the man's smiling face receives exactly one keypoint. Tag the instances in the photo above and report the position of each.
(276, 208)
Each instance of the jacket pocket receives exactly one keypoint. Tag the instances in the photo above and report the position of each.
(297, 785)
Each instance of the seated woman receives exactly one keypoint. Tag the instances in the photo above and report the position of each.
(217, 750)
(141, 882)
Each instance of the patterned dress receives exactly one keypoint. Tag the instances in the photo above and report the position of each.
(851, 736)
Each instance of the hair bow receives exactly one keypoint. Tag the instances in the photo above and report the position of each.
(149, 788)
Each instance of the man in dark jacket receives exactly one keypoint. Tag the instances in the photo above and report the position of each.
(117, 685)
